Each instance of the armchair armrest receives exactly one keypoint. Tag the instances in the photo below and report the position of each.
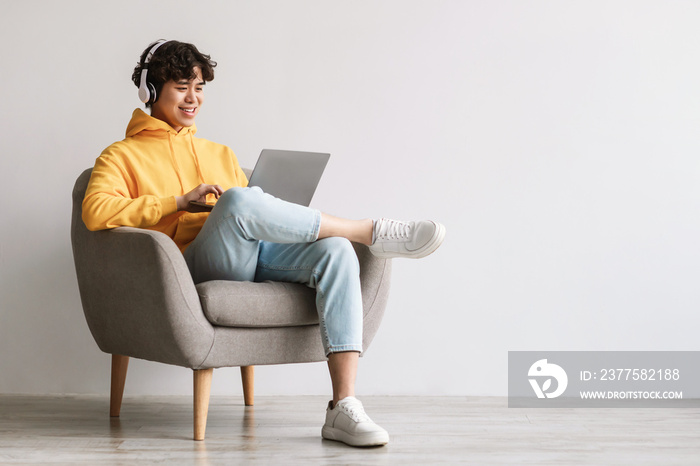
(375, 279)
(144, 304)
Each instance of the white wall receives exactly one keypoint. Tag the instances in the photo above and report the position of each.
(558, 141)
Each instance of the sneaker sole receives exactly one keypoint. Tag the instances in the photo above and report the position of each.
(370, 439)
(429, 248)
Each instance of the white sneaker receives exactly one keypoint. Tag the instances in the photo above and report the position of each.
(347, 422)
(393, 238)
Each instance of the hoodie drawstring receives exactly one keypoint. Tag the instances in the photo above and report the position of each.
(174, 160)
(196, 160)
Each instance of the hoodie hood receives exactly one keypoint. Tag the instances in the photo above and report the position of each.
(141, 121)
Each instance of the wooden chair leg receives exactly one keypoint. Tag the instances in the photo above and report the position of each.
(202, 389)
(248, 378)
(119, 366)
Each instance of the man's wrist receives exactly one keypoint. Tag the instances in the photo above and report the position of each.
(180, 203)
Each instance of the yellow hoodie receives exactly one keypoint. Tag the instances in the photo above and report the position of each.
(135, 181)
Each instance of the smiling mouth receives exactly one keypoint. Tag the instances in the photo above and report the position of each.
(188, 110)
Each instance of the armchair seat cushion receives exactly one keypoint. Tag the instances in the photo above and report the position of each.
(266, 304)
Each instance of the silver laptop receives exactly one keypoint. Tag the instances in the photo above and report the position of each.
(289, 175)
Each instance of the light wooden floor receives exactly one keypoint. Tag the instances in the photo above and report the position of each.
(474, 430)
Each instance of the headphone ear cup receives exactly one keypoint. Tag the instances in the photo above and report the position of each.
(153, 94)
(144, 94)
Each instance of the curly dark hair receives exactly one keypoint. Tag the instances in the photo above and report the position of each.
(173, 61)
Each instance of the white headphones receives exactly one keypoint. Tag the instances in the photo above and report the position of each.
(147, 91)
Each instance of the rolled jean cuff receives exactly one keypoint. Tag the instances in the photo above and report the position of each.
(343, 349)
(317, 225)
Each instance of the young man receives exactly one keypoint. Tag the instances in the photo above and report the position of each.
(148, 179)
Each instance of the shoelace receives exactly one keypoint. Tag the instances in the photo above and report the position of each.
(354, 409)
(392, 229)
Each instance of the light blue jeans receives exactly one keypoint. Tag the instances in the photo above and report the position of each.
(253, 236)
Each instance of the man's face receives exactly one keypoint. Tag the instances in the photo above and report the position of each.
(179, 101)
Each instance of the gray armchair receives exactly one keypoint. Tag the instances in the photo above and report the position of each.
(140, 301)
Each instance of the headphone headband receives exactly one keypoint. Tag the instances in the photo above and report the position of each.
(152, 51)
(147, 92)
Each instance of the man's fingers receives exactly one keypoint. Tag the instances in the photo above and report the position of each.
(202, 190)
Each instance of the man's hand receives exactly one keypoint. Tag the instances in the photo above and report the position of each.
(198, 194)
